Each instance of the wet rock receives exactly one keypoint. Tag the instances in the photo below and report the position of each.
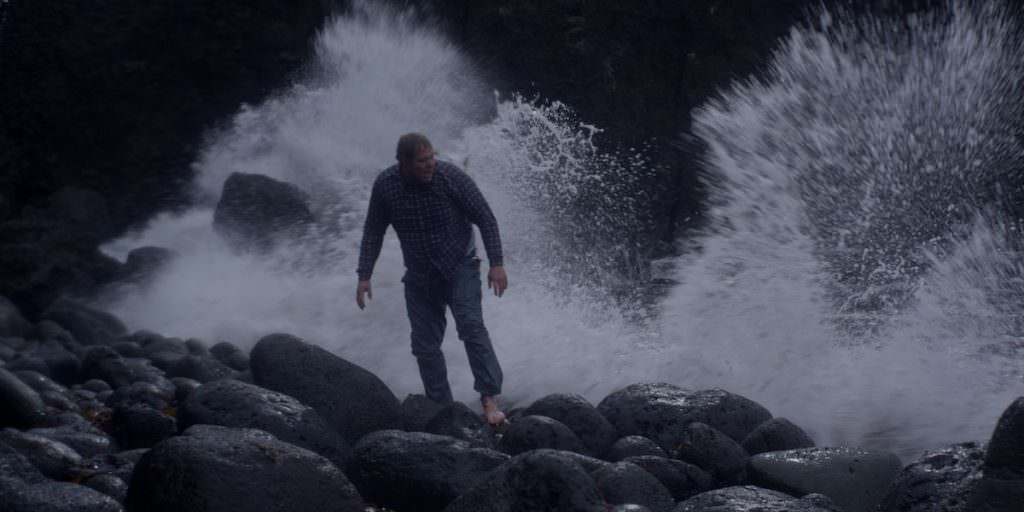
(96, 385)
(417, 411)
(236, 404)
(776, 434)
(27, 363)
(750, 498)
(256, 211)
(212, 469)
(59, 497)
(12, 323)
(624, 482)
(20, 405)
(939, 480)
(120, 465)
(1005, 452)
(534, 432)
(47, 330)
(54, 459)
(39, 381)
(184, 387)
(418, 471)
(16, 469)
(712, 451)
(630, 507)
(459, 421)
(63, 364)
(682, 479)
(141, 393)
(662, 411)
(140, 426)
(199, 368)
(634, 446)
(83, 438)
(128, 349)
(575, 412)
(854, 479)
(353, 400)
(197, 347)
(536, 480)
(108, 484)
(89, 326)
(143, 263)
(164, 352)
(59, 401)
(230, 355)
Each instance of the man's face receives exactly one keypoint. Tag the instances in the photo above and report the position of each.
(423, 164)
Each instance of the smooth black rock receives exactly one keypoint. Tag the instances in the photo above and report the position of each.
(47, 330)
(775, 435)
(1005, 451)
(459, 421)
(60, 401)
(200, 368)
(712, 451)
(353, 400)
(416, 471)
(12, 323)
(575, 412)
(54, 459)
(39, 381)
(215, 469)
(63, 364)
(141, 393)
(417, 411)
(88, 325)
(749, 498)
(143, 263)
(256, 211)
(20, 405)
(856, 480)
(236, 404)
(197, 347)
(634, 446)
(128, 349)
(624, 482)
(59, 497)
(536, 480)
(630, 507)
(535, 432)
(120, 465)
(939, 480)
(28, 363)
(164, 352)
(183, 387)
(232, 356)
(662, 411)
(682, 479)
(16, 468)
(108, 484)
(96, 385)
(84, 439)
(140, 426)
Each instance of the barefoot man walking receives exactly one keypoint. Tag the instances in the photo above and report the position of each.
(431, 204)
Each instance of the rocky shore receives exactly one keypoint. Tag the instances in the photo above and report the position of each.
(96, 418)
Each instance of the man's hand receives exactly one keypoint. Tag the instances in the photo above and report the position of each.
(497, 280)
(364, 288)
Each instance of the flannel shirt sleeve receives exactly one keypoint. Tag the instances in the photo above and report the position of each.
(377, 221)
(479, 212)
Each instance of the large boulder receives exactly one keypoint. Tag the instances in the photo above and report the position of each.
(535, 432)
(535, 480)
(416, 471)
(89, 326)
(231, 403)
(682, 479)
(459, 421)
(16, 469)
(352, 400)
(257, 211)
(855, 479)
(1001, 486)
(12, 323)
(775, 435)
(662, 411)
(212, 468)
(575, 412)
(58, 497)
(634, 446)
(20, 405)
(938, 480)
(54, 459)
(749, 498)
(624, 482)
(713, 451)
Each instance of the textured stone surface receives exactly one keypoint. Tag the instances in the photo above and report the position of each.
(939, 480)
(625, 482)
(535, 432)
(575, 412)
(774, 435)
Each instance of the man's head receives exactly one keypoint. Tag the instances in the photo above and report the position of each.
(416, 157)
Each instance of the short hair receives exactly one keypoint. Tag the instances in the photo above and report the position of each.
(408, 144)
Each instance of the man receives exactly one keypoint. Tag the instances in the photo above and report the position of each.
(431, 205)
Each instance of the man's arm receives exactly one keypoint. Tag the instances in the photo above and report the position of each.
(479, 212)
(377, 221)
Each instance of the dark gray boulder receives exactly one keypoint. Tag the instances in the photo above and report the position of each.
(96, 385)
(140, 426)
(200, 368)
(59, 497)
(749, 498)
(230, 355)
(120, 464)
(416, 471)
(20, 405)
(712, 451)
(25, 362)
(575, 412)
(417, 411)
(89, 326)
(662, 411)
(775, 435)
(183, 388)
(128, 349)
(54, 459)
(634, 446)
(85, 439)
(938, 480)
(534, 432)
(459, 421)
(145, 393)
(212, 469)
(62, 362)
(143, 263)
(164, 352)
(16, 469)
(541, 480)
(12, 323)
(856, 480)
(236, 404)
(108, 484)
(352, 400)
(682, 479)
(256, 211)
(624, 482)
(1005, 451)
(39, 382)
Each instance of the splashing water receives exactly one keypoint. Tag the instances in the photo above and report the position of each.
(851, 280)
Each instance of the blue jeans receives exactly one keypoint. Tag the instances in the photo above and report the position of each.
(425, 305)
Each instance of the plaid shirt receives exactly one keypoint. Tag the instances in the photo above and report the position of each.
(432, 221)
